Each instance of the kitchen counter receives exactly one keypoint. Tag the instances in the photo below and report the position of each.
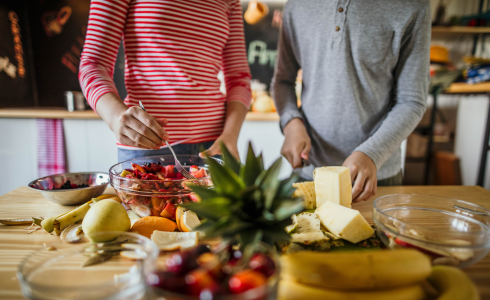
(16, 244)
(39, 113)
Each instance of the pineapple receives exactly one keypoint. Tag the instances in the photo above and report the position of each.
(248, 204)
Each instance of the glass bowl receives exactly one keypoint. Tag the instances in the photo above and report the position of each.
(57, 273)
(50, 187)
(452, 232)
(146, 197)
(268, 291)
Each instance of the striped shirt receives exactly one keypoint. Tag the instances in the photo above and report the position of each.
(174, 50)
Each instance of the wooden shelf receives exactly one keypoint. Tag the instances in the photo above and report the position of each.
(460, 29)
(51, 113)
(464, 88)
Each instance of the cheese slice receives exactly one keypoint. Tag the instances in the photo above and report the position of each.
(333, 184)
(344, 222)
(306, 190)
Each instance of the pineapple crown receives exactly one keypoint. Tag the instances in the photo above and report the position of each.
(247, 203)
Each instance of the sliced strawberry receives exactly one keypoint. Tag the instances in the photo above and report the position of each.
(193, 168)
(170, 171)
(139, 168)
(200, 174)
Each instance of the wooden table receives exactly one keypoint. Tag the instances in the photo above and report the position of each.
(16, 244)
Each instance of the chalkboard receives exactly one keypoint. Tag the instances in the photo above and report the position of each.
(15, 66)
(261, 42)
(58, 32)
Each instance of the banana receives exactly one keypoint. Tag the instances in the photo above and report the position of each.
(356, 270)
(71, 217)
(452, 284)
(290, 290)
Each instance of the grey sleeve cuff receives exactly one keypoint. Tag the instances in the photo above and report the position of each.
(288, 116)
(375, 157)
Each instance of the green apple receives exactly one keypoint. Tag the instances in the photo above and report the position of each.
(105, 215)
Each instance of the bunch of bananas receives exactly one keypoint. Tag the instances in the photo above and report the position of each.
(58, 223)
(399, 274)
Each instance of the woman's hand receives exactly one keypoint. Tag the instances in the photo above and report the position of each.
(363, 172)
(297, 143)
(137, 128)
(132, 126)
(230, 143)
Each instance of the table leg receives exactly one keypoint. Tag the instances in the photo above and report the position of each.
(484, 151)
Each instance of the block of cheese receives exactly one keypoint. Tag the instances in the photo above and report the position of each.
(333, 184)
(344, 222)
(306, 190)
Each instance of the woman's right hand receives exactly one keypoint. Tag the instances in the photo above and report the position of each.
(137, 128)
(297, 143)
(132, 126)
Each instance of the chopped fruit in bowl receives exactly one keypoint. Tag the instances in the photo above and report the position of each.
(206, 272)
(152, 186)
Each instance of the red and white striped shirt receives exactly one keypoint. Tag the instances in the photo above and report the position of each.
(174, 50)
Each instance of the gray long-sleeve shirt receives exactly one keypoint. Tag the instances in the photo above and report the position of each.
(365, 76)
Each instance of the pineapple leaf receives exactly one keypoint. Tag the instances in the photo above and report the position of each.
(269, 183)
(252, 168)
(229, 159)
(212, 208)
(286, 189)
(224, 179)
(248, 239)
(288, 207)
(203, 192)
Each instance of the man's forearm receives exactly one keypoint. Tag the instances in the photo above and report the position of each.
(235, 115)
(110, 107)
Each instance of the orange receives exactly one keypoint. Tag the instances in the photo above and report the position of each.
(145, 226)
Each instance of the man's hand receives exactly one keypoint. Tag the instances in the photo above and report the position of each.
(230, 143)
(135, 127)
(297, 143)
(363, 172)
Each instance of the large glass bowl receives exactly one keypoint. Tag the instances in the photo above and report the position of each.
(56, 271)
(452, 232)
(142, 195)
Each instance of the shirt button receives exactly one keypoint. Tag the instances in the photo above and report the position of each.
(341, 9)
(337, 28)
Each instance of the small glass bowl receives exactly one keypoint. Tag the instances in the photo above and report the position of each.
(57, 273)
(138, 194)
(265, 292)
(452, 232)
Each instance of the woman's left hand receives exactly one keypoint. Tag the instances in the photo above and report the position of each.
(230, 143)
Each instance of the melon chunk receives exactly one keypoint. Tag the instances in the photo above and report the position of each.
(344, 222)
(333, 184)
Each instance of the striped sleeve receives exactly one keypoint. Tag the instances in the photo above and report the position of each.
(235, 66)
(104, 30)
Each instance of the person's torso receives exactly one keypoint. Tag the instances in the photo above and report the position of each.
(173, 55)
(348, 50)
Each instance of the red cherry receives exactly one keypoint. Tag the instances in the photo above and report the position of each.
(246, 280)
(181, 263)
(200, 281)
(167, 281)
(263, 264)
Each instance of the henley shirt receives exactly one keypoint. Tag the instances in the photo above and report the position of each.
(365, 76)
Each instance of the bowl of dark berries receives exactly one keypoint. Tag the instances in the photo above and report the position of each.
(221, 272)
(71, 188)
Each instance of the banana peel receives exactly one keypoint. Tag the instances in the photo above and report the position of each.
(58, 223)
(452, 284)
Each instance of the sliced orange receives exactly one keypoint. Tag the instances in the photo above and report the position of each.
(145, 226)
(178, 215)
(189, 221)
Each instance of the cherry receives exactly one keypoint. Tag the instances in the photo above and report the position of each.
(181, 263)
(200, 281)
(246, 280)
(235, 256)
(167, 281)
(263, 264)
